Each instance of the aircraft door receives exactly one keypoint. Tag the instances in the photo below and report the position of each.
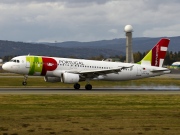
(27, 64)
(139, 70)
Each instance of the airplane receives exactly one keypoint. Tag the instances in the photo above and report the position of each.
(73, 71)
(175, 65)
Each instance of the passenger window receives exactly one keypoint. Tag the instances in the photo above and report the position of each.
(17, 61)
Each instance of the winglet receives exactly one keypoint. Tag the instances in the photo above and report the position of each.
(155, 56)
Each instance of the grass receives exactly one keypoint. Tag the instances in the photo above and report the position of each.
(90, 114)
(39, 82)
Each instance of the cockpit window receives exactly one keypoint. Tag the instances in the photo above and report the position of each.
(13, 60)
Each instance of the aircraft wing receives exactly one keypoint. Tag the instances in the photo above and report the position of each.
(95, 73)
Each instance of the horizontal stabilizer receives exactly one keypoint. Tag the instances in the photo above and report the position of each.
(161, 70)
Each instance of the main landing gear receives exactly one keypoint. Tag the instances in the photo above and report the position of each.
(87, 87)
(77, 86)
(25, 80)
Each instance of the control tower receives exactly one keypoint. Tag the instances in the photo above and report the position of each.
(129, 53)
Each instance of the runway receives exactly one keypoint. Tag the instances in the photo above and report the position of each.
(131, 90)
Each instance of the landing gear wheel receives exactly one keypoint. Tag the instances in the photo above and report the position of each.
(24, 83)
(88, 87)
(77, 86)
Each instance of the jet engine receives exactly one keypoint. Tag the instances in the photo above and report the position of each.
(69, 78)
(52, 79)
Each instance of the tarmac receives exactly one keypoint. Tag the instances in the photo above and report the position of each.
(120, 91)
(113, 90)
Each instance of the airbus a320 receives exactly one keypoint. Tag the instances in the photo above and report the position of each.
(67, 70)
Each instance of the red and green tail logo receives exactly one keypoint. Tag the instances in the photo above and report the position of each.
(156, 56)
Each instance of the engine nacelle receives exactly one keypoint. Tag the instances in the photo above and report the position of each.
(69, 78)
(52, 79)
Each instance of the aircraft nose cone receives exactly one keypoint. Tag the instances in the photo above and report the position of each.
(4, 66)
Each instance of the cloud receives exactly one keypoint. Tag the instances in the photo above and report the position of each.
(169, 31)
(85, 20)
(54, 1)
(114, 31)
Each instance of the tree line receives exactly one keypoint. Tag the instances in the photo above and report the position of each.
(138, 56)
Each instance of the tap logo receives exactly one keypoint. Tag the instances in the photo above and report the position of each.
(49, 64)
(40, 65)
(159, 52)
(156, 56)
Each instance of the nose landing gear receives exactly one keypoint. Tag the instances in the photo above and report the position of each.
(25, 80)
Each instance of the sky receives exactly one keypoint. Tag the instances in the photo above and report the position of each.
(86, 20)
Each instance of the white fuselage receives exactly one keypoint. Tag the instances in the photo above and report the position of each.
(20, 65)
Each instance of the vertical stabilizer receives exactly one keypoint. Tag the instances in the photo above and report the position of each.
(155, 56)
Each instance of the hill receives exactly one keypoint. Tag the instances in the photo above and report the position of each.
(20, 48)
(140, 44)
(83, 49)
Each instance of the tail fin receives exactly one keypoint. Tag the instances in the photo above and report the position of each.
(155, 56)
